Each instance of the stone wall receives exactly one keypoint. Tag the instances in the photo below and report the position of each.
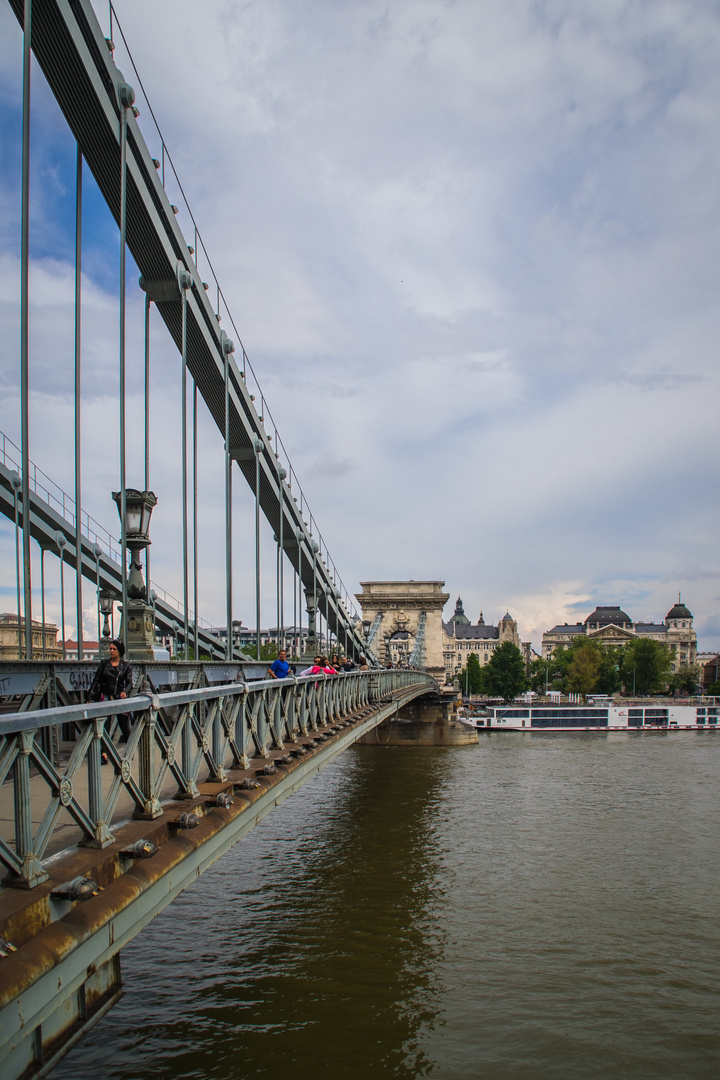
(401, 604)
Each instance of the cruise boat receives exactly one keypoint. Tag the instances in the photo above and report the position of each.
(631, 717)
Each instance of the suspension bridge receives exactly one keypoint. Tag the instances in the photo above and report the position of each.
(99, 833)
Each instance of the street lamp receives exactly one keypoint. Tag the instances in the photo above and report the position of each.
(236, 631)
(311, 644)
(140, 626)
(106, 599)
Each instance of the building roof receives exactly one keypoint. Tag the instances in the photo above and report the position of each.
(608, 616)
(459, 617)
(9, 618)
(679, 611)
(475, 632)
(567, 628)
(650, 628)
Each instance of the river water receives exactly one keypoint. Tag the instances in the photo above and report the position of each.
(543, 906)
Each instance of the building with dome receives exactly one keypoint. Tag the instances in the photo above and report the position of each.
(461, 638)
(612, 626)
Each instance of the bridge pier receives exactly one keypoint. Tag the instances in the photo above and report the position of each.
(427, 721)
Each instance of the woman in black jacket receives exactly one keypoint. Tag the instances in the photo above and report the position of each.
(113, 680)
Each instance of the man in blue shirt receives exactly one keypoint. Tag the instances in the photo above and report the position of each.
(279, 669)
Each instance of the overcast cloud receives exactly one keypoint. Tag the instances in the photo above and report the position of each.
(472, 251)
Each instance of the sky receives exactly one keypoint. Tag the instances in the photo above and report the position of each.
(471, 250)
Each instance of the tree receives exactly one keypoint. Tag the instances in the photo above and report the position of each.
(608, 680)
(645, 666)
(584, 667)
(472, 676)
(570, 669)
(267, 652)
(505, 674)
(539, 675)
(687, 679)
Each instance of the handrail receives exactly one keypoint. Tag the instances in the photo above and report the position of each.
(171, 737)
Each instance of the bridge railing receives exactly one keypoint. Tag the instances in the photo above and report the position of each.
(173, 739)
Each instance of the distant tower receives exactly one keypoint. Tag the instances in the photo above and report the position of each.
(508, 630)
(680, 635)
(481, 621)
(460, 618)
(679, 616)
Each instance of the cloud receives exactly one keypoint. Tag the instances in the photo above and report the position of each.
(471, 252)
(329, 465)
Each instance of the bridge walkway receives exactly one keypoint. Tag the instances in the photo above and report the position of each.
(61, 969)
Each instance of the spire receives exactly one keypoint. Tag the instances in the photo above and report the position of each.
(481, 621)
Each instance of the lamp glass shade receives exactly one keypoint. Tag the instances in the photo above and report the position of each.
(138, 508)
(133, 518)
(145, 523)
(106, 601)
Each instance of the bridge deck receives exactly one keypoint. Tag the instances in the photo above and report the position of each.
(65, 972)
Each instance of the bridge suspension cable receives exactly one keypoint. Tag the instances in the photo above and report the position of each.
(77, 61)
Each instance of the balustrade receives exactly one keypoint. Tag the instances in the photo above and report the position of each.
(182, 737)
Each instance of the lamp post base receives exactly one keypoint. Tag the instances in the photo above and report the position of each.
(140, 631)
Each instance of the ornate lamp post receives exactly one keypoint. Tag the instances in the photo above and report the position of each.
(236, 631)
(106, 599)
(140, 626)
(311, 644)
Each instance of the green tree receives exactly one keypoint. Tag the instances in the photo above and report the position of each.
(608, 680)
(584, 667)
(267, 652)
(645, 666)
(539, 675)
(687, 679)
(567, 666)
(558, 666)
(472, 676)
(505, 674)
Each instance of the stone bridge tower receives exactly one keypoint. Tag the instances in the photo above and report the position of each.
(400, 611)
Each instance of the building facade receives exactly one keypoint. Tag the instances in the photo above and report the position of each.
(44, 637)
(461, 638)
(610, 625)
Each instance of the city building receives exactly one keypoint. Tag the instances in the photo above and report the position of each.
(461, 638)
(91, 650)
(610, 625)
(44, 635)
(709, 665)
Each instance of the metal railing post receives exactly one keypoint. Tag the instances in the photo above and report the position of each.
(103, 836)
(31, 872)
(152, 808)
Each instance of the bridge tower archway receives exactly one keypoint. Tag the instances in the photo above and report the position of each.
(399, 611)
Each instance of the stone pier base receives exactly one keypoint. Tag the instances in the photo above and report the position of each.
(428, 721)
